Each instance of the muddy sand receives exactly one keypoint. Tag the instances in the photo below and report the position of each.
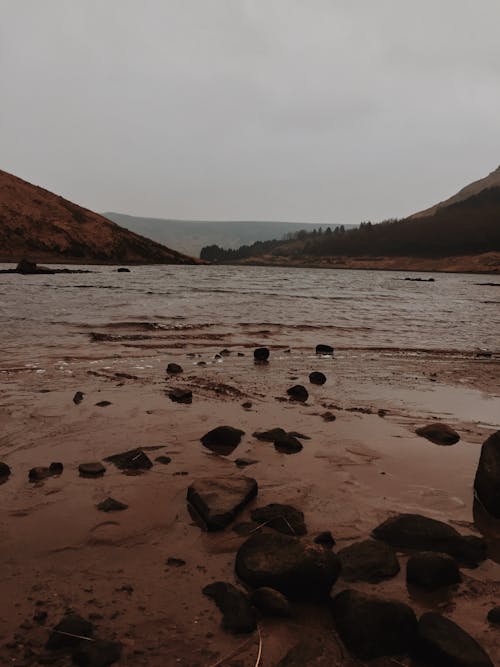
(60, 552)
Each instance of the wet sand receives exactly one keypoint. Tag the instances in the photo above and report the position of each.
(60, 552)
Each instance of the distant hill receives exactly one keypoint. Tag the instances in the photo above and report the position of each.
(43, 227)
(191, 236)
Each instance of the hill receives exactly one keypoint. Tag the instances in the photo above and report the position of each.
(43, 227)
(190, 236)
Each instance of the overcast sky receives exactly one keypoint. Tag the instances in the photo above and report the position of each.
(306, 110)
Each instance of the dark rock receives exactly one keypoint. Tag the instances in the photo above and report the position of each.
(163, 459)
(284, 563)
(246, 405)
(326, 539)
(243, 462)
(432, 570)
(26, 267)
(494, 616)
(372, 627)
(179, 395)
(414, 531)
(271, 602)
(329, 416)
(298, 393)
(439, 434)
(91, 469)
(223, 439)
(218, 500)
(487, 481)
(225, 352)
(283, 518)
(111, 505)
(123, 269)
(38, 473)
(443, 643)
(261, 354)
(317, 378)
(324, 349)
(40, 616)
(369, 560)
(237, 613)
(175, 562)
(174, 369)
(56, 468)
(99, 653)
(62, 636)
(103, 404)
(271, 435)
(134, 459)
(4, 470)
(78, 397)
(287, 444)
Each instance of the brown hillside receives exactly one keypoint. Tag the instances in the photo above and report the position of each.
(41, 226)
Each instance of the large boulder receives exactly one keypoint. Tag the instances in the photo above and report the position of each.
(372, 627)
(237, 613)
(487, 481)
(222, 440)
(439, 434)
(443, 643)
(414, 531)
(370, 560)
(283, 518)
(217, 500)
(299, 571)
(430, 570)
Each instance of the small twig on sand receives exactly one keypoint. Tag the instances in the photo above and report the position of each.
(257, 662)
(69, 634)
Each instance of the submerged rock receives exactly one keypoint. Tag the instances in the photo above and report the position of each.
(95, 469)
(324, 349)
(222, 440)
(372, 627)
(283, 518)
(244, 462)
(298, 393)
(174, 369)
(317, 378)
(78, 397)
(163, 459)
(414, 531)
(38, 473)
(299, 571)
(442, 642)
(487, 481)
(431, 570)
(111, 505)
(439, 434)
(370, 560)
(68, 632)
(218, 500)
(133, 459)
(237, 613)
(99, 653)
(179, 395)
(271, 602)
(261, 354)
(271, 435)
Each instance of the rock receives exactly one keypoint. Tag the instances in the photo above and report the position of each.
(432, 570)
(288, 444)
(329, 416)
(225, 352)
(56, 468)
(134, 459)
(282, 562)
(179, 395)
(163, 459)
(271, 602)
(487, 481)
(298, 393)
(91, 469)
(218, 500)
(439, 434)
(271, 435)
(283, 518)
(71, 624)
(324, 349)
(222, 440)
(103, 404)
(414, 531)
(174, 369)
(111, 505)
(372, 627)
(494, 616)
(261, 354)
(369, 560)
(317, 378)
(26, 267)
(4, 470)
(175, 562)
(442, 642)
(78, 397)
(99, 653)
(243, 462)
(123, 269)
(326, 539)
(247, 405)
(40, 616)
(38, 473)
(237, 613)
